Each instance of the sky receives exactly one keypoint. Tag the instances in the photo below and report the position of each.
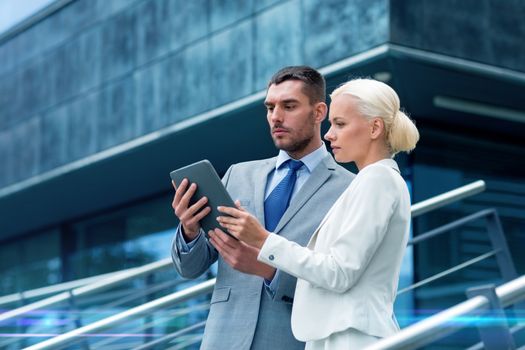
(14, 11)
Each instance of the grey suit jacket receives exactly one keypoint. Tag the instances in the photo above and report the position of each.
(242, 315)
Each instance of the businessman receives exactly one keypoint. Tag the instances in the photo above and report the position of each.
(290, 194)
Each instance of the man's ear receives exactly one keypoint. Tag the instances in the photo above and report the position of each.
(377, 127)
(320, 110)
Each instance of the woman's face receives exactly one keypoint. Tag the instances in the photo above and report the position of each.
(350, 133)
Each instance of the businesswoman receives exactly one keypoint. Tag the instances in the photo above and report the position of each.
(348, 273)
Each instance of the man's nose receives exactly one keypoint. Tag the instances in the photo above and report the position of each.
(277, 115)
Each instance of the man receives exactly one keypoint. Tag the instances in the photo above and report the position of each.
(251, 304)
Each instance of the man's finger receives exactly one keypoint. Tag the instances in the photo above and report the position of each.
(186, 197)
(202, 214)
(197, 206)
(179, 192)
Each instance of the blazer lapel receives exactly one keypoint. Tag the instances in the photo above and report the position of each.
(260, 179)
(318, 177)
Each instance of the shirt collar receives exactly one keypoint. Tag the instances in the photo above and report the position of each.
(311, 160)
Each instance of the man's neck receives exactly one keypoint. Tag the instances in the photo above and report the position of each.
(311, 147)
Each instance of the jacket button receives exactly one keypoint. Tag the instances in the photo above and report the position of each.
(271, 257)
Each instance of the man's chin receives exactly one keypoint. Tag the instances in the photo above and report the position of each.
(281, 144)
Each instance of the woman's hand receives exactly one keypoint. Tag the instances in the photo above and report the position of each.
(243, 225)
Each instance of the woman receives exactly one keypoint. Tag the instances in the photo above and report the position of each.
(348, 273)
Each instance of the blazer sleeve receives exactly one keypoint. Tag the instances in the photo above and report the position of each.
(358, 225)
(200, 257)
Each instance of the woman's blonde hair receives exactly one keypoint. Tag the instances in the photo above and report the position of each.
(377, 99)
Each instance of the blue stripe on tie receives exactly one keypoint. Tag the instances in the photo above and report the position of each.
(277, 202)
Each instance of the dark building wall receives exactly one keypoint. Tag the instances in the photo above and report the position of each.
(98, 73)
(487, 31)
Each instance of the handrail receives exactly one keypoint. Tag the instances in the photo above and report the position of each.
(447, 198)
(207, 286)
(450, 320)
(88, 289)
(55, 288)
(447, 272)
(169, 337)
(200, 289)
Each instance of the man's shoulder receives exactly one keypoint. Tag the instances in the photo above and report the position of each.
(252, 165)
(338, 170)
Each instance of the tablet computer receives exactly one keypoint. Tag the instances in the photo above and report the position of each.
(210, 185)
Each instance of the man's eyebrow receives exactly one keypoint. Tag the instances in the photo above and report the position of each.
(290, 100)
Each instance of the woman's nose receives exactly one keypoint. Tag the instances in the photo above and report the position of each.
(329, 135)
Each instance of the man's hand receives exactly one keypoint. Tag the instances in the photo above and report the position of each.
(239, 255)
(189, 216)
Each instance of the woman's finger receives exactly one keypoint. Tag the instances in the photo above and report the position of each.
(230, 211)
(238, 205)
(227, 220)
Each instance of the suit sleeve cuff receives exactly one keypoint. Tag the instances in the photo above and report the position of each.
(182, 245)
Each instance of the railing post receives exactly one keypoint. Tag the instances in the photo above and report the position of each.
(78, 317)
(495, 333)
(21, 327)
(503, 257)
(497, 237)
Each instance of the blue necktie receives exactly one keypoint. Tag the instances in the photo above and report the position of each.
(277, 202)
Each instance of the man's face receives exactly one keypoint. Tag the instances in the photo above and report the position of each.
(291, 116)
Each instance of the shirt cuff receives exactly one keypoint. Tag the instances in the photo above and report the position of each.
(182, 245)
(271, 286)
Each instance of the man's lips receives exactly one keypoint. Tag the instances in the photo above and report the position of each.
(278, 131)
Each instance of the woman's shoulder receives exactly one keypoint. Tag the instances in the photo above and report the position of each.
(384, 167)
(381, 174)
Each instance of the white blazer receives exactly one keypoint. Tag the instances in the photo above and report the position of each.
(348, 273)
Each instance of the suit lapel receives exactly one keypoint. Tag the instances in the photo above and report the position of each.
(318, 177)
(260, 179)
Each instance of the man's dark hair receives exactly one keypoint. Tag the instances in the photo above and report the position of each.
(314, 84)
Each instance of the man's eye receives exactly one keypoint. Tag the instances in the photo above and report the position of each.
(289, 107)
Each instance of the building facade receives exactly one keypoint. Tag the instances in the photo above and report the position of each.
(99, 100)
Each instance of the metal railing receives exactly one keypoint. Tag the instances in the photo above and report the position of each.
(200, 289)
(21, 297)
(500, 249)
(447, 198)
(206, 287)
(451, 320)
(84, 290)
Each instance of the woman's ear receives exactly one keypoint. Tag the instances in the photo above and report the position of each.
(377, 128)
